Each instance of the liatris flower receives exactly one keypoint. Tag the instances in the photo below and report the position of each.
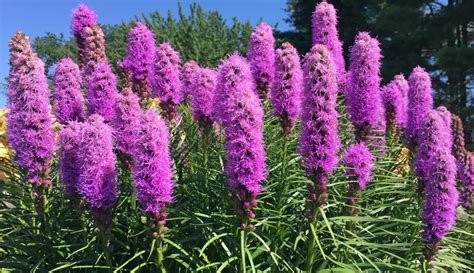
(459, 149)
(466, 174)
(364, 98)
(97, 180)
(68, 99)
(446, 116)
(69, 169)
(434, 135)
(202, 92)
(139, 59)
(152, 172)
(102, 92)
(394, 96)
(29, 122)
(358, 160)
(288, 86)
(238, 108)
(324, 30)
(420, 102)
(187, 73)
(90, 40)
(319, 142)
(261, 56)
(127, 120)
(166, 79)
(439, 211)
(82, 17)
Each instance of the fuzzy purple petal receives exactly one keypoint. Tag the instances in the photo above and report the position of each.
(126, 122)
(187, 74)
(359, 161)
(69, 151)
(102, 92)
(202, 92)
(82, 17)
(394, 97)
(166, 81)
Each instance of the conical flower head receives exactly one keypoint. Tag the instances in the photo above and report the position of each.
(238, 108)
(394, 97)
(152, 166)
(68, 99)
(97, 180)
(459, 148)
(166, 74)
(82, 17)
(139, 58)
(434, 135)
(126, 122)
(359, 161)
(364, 97)
(420, 102)
(319, 142)
(188, 72)
(29, 123)
(202, 92)
(324, 30)
(288, 85)
(102, 92)
(439, 211)
(69, 152)
(261, 57)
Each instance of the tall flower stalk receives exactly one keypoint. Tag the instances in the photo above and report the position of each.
(166, 82)
(463, 162)
(102, 92)
(319, 142)
(29, 122)
(261, 57)
(188, 72)
(152, 174)
(324, 32)
(364, 102)
(68, 99)
(69, 151)
(439, 210)
(394, 96)
(139, 59)
(420, 102)
(238, 107)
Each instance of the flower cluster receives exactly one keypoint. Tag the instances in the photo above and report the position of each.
(394, 96)
(324, 30)
(202, 90)
(288, 86)
(187, 74)
(139, 59)
(69, 151)
(238, 108)
(166, 81)
(29, 122)
(127, 120)
(420, 102)
(261, 56)
(364, 102)
(319, 142)
(68, 99)
(102, 92)
(82, 17)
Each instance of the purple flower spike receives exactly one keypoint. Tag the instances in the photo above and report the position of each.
(434, 135)
(466, 174)
(68, 99)
(324, 28)
(239, 110)
(439, 211)
(420, 102)
(69, 150)
(364, 97)
(187, 74)
(127, 120)
(152, 171)
(28, 121)
(261, 57)
(359, 161)
(82, 17)
(394, 96)
(202, 92)
(139, 59)
(97, 180)
(166, 78)
(102, 92)
(288, 86)
(459, 148)
(319, 142)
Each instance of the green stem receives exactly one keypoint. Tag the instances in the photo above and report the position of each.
(105, 238)
(159, 255)
(243, 246)
(284, 165)
(312, 240)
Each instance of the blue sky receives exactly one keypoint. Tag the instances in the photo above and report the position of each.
(36, 17)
